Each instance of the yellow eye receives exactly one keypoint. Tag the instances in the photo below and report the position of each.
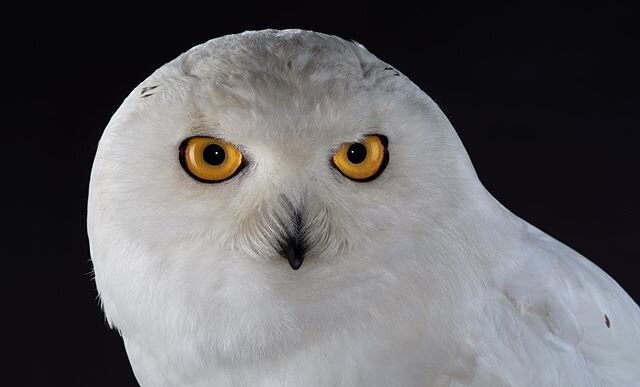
(210, 160)
(364, 160)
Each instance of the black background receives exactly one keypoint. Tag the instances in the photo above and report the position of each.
(545, 100)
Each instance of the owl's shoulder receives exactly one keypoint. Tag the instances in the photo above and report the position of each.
(553, 317)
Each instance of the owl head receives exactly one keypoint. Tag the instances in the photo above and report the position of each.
(268, 186)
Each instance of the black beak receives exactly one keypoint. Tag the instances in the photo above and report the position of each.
(294, 252)
(294, 247)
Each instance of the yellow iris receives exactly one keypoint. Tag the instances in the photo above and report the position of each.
(364, 160)
(209, 159)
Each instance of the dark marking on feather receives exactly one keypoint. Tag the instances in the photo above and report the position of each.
(289, 65)
(606, 321)
(395, 72)
(146, 89)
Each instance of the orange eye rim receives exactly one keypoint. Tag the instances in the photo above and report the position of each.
(340, 161)
(192, 160)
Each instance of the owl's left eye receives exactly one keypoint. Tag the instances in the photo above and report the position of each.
(364, 160)
(210, 160)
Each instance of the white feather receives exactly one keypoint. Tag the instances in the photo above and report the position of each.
(419, 277)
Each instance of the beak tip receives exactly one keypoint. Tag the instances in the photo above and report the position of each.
(294, 255)
(295, 263)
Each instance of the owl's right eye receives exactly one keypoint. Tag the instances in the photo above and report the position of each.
(210, 160)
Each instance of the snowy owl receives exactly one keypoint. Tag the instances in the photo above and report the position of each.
(282, 208)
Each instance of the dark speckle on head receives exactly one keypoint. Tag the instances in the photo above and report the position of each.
(606, 321)
(146, 89)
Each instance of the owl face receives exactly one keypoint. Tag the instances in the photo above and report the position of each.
(253, 155)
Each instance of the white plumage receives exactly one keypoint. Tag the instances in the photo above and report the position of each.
(417, 277)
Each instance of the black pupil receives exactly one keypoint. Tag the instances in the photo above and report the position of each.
(213, 154)
(357, 153)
